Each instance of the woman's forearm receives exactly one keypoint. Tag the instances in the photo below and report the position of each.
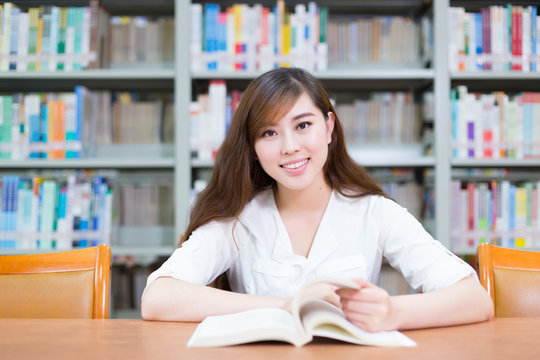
(168, 299)
(463, 302)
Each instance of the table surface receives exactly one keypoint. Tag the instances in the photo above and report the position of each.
(504, 338)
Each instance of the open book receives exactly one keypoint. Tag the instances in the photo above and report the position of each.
(310, 316)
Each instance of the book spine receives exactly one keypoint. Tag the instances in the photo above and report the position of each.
(77, 38)
(14, 33)
(85, 37)
(6, 38)
(94, 36)
(6, 127)
(239, 46)
(471, 187)
(57, 130)
(72, 127)
(527, 132)
(31, 113)
(534, 35)
(486, 38)
(211, 32)
(322, 51)
(195, 38)
(39, 37)
(53, 42)
(33, 19)
(46, 38)
(525, 39)
(44, 128)
(221, 50)
(61, 44)
(479, 40)
(519, 38)
(22, 46)
(510, 242)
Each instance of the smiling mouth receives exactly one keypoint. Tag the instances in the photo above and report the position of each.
(295, 165)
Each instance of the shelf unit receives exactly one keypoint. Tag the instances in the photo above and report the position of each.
(437, 77)
(366, 78)
(181, 80)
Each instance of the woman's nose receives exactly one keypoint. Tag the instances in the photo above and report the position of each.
(289, 143)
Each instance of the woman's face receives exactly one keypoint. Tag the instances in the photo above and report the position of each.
(293, 151)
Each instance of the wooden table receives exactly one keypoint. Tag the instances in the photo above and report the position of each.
(137, 339)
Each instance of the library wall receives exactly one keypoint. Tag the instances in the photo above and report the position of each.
(113, 111)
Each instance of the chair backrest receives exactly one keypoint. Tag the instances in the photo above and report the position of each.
(512, 278)
(69, 284)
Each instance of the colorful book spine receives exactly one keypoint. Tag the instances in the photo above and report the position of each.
(70, 38)
(486, 38)
(13, 45)
(534, 38)
(53, 42)
(6, 123)
(22, 46)
(61, 44)
(5, 28)
(211, 33)
(72, 124)
(46, 12)
(33, 24)
(57, 129)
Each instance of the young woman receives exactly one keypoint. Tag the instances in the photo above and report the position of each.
(287, 204)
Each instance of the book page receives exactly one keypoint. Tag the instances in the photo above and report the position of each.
(247, 326)
(323, 319)
(318, 288)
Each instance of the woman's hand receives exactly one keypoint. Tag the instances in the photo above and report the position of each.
(369, 307)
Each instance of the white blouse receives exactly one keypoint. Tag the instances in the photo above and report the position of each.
(352, 238)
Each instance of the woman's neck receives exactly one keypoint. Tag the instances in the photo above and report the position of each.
(307, 200)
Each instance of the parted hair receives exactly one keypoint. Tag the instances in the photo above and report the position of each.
(237, 175)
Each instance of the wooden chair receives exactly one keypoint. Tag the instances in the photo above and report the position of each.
(512, 278)
(69, 284)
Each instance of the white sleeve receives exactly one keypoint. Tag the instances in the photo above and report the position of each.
(209, 252)
(424, 262)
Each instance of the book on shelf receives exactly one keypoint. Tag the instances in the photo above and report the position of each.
(42, 212)
(210, 116)
(141, 40)
(374, 39)
(389, 117)
(497, 38)
(146, 203)
(496, 125)
(257, 38)
(310, 316)
(73, 125)
(501, 212)
(52, 38)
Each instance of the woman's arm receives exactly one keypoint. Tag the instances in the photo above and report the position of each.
(372, 309)
(169, 299)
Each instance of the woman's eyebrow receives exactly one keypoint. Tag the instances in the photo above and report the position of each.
(302, 115)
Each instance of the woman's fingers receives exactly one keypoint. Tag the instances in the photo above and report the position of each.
(368, 307)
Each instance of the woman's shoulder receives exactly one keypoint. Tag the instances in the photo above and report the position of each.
(213, 228)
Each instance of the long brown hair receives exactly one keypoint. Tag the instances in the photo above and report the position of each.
(237, 176)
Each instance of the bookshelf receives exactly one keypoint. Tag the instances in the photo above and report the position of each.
(360, 78)
(129, 163)
(429, 74)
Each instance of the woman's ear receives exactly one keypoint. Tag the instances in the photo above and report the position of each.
(330, 126)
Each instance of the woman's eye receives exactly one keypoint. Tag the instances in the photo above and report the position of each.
(303, 125)
(268, 133)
